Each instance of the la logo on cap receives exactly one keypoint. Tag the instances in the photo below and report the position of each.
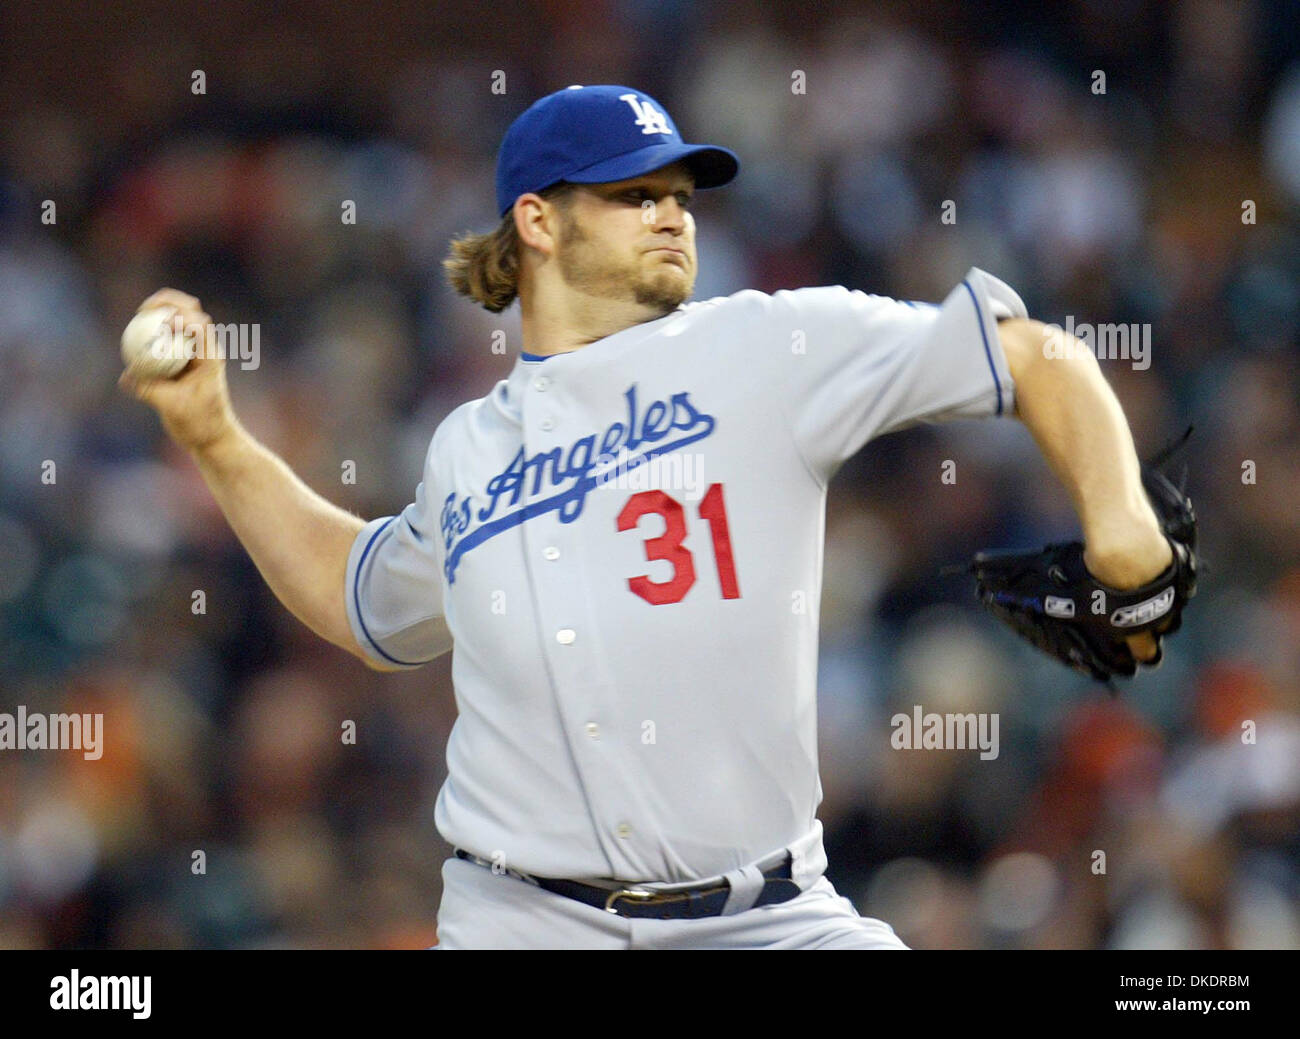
(649, 118)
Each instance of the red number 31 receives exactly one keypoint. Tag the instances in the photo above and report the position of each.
(668, 545)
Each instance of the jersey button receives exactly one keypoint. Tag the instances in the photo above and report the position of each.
(541, 383)
(547, 424)
(565, 636)
(551, 553)
(593, 730)
(623, 831)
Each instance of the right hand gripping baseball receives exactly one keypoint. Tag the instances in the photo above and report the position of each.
(194, 406)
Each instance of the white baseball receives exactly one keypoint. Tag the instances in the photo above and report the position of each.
(151, 349)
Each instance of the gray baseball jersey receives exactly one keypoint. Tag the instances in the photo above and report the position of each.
(626, 544)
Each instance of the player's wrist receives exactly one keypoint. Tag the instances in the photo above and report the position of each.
(219, 440)
(1131, 560)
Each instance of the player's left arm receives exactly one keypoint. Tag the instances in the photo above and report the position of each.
(1075, 418)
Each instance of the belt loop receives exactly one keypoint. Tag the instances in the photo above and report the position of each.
(746, 885)
(808, 857)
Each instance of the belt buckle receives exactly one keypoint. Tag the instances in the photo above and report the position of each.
(627, 892)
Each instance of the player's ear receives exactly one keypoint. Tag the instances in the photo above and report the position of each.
(535, 222)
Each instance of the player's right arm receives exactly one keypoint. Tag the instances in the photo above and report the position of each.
(299, 541)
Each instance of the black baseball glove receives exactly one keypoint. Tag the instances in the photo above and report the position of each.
(1050, 598)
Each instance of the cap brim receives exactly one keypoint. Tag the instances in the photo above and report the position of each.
(711, 166)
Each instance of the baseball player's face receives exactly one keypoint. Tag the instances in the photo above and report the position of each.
(632, 240)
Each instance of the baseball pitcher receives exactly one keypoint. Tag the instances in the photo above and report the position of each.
(610, 543)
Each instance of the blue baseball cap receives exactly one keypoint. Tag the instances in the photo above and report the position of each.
(591, 135)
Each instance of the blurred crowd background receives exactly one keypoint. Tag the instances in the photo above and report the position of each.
(223, 727)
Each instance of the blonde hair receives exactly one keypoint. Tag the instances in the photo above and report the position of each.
(485, 267)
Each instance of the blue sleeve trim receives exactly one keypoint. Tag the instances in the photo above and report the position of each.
(988, 353)
(356, 602)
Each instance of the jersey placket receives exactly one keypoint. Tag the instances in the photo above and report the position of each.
(563, 598)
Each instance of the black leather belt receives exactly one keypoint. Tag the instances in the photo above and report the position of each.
(682, 904)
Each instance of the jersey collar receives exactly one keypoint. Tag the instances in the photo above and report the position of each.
(509, 392)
